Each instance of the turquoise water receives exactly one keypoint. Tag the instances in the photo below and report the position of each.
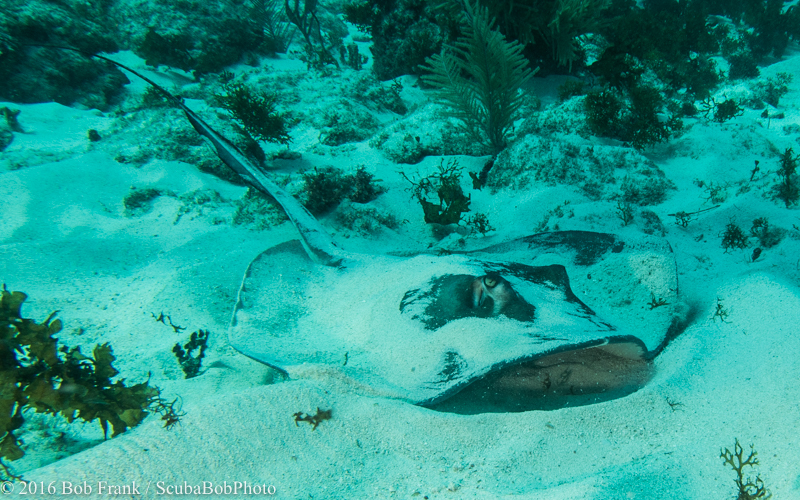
(398, 249)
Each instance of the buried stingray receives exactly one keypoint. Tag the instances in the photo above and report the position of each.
(468, 333)
(496, 329)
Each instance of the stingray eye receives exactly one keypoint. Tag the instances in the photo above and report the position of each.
(490, 282)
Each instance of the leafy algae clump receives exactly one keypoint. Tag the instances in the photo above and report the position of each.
(37, 374)
(446, 184)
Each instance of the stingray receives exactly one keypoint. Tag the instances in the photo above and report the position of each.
(495, 329)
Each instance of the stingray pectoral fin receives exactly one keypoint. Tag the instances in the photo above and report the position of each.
(624, 350)
(569, 378)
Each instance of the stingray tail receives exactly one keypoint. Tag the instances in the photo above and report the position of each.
(316, 241)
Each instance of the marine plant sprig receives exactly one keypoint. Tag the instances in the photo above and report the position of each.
(256, 111)
(733, 237)
(167, 320)
(189, 361)
(446, 185)
(787, 189)
(720, 111)
(624, 212)
(749, 489)
(683, 218)
(326, 187)
(720, 312)
(307, 23)
(480, 223)
(657, 302)
(313, 420)
(632, 116)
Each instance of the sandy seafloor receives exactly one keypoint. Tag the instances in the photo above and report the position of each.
(67, 241)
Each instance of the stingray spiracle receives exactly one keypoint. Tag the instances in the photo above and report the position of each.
(494, 287)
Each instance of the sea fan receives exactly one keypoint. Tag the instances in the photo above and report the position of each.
(480, 78)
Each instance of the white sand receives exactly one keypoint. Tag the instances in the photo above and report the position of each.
(67, 242)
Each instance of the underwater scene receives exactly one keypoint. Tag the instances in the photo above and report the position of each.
(400, 249)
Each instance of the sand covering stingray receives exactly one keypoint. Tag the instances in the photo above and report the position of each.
(412, 328)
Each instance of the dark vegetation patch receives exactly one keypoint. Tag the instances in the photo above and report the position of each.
(326, 187)
(39, 375)
(256, 111)
(440, 194)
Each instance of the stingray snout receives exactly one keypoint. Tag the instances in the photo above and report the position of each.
(492, 286)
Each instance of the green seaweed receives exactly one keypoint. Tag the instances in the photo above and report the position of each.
(733, 237)
(139, 201)
(750, 489)
(742, 65)
(313, 420)
(256, 112)
(633, 118)
(364, 188)
(722, 111)
(446, 184)
(767, 235)
(37, 374)
(720, 312)
(624, 212)
(656, 302)
(190, 362)
(167, 321)
(326, 187)
(787, 189)
(603, 113)
(480, 223)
